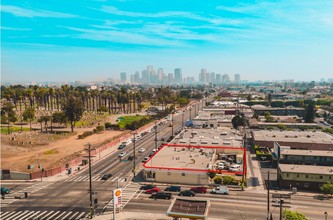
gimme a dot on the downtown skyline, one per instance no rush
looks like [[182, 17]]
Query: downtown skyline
[[96, 40]]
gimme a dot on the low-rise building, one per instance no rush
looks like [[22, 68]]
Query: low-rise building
[[307, 140], [289, 110], [304, 177]]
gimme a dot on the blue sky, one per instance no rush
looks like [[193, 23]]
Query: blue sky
[[61, 40]]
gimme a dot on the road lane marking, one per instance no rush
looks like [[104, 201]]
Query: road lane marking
[[65, 216], [73, 216], [19, 217], [79, 216], [30, 217], [7, 214], [44, 217], [40, 214]]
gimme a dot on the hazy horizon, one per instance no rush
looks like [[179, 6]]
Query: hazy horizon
[[95, 40]]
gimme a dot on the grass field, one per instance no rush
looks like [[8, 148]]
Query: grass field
[[126, 120], [4, 130]]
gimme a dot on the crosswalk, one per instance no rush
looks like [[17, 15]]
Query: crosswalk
[[129, 191], [94, 178], [43, 215]]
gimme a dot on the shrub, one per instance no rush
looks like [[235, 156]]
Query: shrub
[[228, 180], [85, 134], [217, 180], [99, 128]]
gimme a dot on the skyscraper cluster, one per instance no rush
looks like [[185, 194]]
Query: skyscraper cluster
[[206, 77], [151, 76]]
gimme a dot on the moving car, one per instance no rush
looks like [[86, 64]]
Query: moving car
[[122, 154], [145, 187], [153, 190], [173, 188], [220, 190], [130, 158], [186, 193], [199, 189], [124, 144], [106, 176], [145, 159], [141, 150], [4, 190], [161, 195]]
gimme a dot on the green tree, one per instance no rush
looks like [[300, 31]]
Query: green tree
[[238, 120], [327, 189], [310, 113], [59, 117], [217, 180], [8, 114], [73, 109], [29, 115], [293, 215]]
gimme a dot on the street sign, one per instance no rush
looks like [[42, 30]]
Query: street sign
[[281, 196], [117, 198]]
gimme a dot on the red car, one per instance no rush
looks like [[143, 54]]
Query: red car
[[153, 190], [199, 189]]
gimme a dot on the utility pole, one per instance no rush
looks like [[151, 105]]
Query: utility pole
[[134, 164], [183, 120], [190, 118], [268, 211], [281, 203], [155, 127], [172, 124], [90, 182]]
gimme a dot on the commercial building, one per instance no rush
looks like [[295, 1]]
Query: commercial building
[[123, 77], [289, 110], [195, 152], [304, 176], [237, 78], [178, 75], [306, 140]]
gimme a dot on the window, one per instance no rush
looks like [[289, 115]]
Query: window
[[287, 174], [297, 175], [183, 174], [306, 185], [306, 176], [169, 173], [321, 177]]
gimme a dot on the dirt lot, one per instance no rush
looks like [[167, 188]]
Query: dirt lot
[[51, 150]]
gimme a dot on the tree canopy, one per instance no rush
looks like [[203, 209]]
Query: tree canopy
[[293, 215], [238, 120], [327, 189], [73, 109]]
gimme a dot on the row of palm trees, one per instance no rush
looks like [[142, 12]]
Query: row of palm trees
[[106, 99]]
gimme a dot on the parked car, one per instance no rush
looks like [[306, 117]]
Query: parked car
[[199, 189], [145, 187], [4, 190], [141, 150], [186, 193], [235, 167], [122, 154], [220, 190], [220, 166], [173, 188], [153, 190], [106, 176], [151, 153], [169, 139], [163, 139], [161, 195], [145, 159]]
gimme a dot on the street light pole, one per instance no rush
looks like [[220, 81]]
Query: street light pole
[[183, 120], [281, 203], [326, 214], [90, 182], [268, 205], [172, 124], [190, 117], [134, 160]]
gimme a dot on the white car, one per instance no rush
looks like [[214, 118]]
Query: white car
[[220, 190], [141, 150], [122, 154]]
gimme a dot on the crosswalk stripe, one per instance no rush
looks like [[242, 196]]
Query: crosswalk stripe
[[54, 214], [3, 214], [20, 216], [95, 178], [60, 214], [114, 179], [80, 216], [65, 216], [7, 214], [73, 216], [30, 217], [17, 213], [40, 214], [44, 217]]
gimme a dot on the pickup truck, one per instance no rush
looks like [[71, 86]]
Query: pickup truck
[[161, 195]]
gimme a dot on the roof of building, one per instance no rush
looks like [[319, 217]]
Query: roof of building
[[189, 208], [170, 157], [220, 136], [293, 136], [262, 107], [319, 153], [308, 169]]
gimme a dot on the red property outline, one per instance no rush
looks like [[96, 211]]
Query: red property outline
[[200, 170]]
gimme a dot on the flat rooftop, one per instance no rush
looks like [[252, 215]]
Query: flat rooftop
[[318, 153], [221, 136], [307, 169], [189, 208], [181, 158], [318, 137]]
